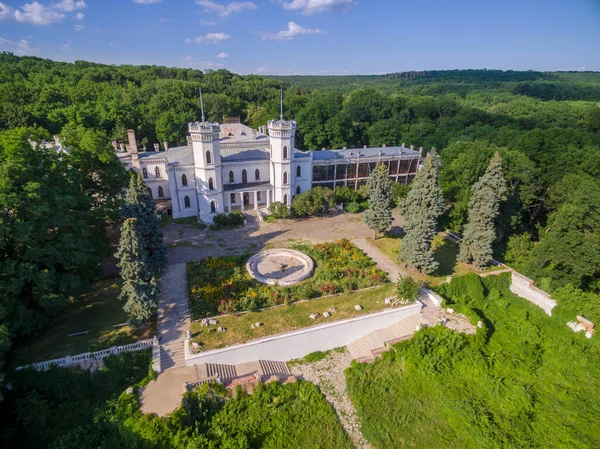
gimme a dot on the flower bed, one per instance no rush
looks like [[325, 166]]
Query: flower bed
[[222, 285]]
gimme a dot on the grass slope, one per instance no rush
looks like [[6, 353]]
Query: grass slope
[[525, 380]]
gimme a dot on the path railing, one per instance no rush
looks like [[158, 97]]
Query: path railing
[[72, 360]]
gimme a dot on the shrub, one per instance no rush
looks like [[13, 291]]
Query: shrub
[[407, 289], [352, 207], [231, 220], [279, 210]]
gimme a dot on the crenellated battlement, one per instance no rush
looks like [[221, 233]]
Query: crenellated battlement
[[203, 127]]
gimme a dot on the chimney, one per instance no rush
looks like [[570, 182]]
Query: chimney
[[122, 146], [412, 147], [156, 147], [345, 148], [166, 145], [189, 142], [323, 148], [132, 145], [254, 134], [365, 146], [420, 150], [401, 150], [403, 145], [384, 145], [144, 148], [115, 145]]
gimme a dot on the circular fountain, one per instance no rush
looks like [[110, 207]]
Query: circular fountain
[[280, 266]]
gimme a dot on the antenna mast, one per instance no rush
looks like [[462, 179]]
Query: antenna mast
[[281, 114], [201, 104]]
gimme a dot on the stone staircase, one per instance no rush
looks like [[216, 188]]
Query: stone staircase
[[223, 372], [172, 355], [366, 348], [273, 368]]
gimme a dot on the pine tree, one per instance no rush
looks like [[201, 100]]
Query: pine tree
[[138, 204], [421, 209], [139, 290], [379, 216], [479, 233]]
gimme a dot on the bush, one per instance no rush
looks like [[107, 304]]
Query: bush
[[279, 210], [407, 289], [352, 207], [316, 201], [227, 221]]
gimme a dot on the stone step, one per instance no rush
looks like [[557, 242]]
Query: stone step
[[271, 367], [220, 370]]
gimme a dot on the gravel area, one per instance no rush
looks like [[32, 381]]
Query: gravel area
[[328, 375]]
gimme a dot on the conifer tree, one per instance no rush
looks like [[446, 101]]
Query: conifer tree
[[139, 290], [479, 233], [379, 216], [421, 209], [138, 204]]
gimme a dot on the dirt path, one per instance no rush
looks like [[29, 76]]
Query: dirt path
[[383, 262], [328, 375]]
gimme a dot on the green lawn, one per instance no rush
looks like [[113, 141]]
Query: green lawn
[[96, 312], [287, 318], [446, 255], [190, 221]]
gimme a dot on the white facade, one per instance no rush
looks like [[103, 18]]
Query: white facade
[[230, 166]]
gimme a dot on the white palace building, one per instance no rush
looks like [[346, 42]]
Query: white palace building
[[230, 166]]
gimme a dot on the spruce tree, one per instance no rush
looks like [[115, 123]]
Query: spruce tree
[[138, 204], [479, 233], [139, 290], [379, 216], [421, 209]]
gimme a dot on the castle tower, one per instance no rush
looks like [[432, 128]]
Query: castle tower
[[208, 170], [282, 134]]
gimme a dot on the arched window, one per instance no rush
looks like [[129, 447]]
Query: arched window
[[285, 152], [285, 177], [213, 207], [285, 199], [231, 177], [298, 190], [144, 173], [161, 192], [150, 193], [208, 158], [257, 175], [186, 201], [244, 176], [298, 171], [183, 180], [157, 171], [211, 184], [232, 197], [258, 196]]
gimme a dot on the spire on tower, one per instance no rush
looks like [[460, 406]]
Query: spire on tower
[[281, 114], [201, 104]]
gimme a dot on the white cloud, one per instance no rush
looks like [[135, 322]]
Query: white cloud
[[21, 47], [223, 55], [263, 70], [293, 31], [207, 23], [192, 61], [68, 5], [37, 14], [310, 7], [78, 27], [80, 16], [146, 2], [225, 10], [6, 12], [215, 38]]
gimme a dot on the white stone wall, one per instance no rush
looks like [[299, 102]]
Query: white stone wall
[[250, 168], [524, 287], [297, 344]]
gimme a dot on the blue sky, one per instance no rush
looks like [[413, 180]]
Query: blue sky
[[310, 36]]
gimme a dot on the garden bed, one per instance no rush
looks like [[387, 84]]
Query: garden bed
[[280, 319], [222, 285]]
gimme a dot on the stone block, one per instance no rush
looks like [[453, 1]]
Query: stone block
[[358, 307], [313, 315], [212, 321], [326, 314], [221, 329], [450, 311], [387, 300]]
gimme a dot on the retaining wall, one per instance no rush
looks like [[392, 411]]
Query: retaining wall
[[297, 344], [523, 286]]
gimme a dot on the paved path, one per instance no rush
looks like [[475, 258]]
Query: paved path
[[383, 262], [163, 395]]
